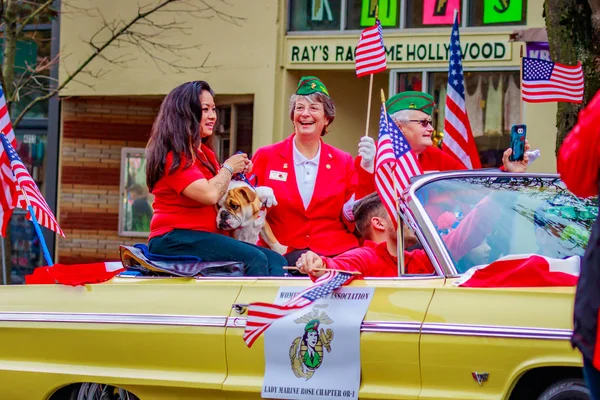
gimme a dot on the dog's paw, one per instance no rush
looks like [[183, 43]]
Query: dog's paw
[[266, 196]]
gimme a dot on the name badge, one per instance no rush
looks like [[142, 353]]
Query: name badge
[[278, 176]]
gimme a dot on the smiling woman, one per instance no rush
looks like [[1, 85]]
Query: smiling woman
[[315, 184], [187, 182]]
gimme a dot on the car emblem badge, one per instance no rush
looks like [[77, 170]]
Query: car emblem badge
[[480, 377]]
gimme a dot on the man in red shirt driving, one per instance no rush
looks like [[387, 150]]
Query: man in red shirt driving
[[378, 256]]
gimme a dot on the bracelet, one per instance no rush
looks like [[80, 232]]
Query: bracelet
[[228, 168]]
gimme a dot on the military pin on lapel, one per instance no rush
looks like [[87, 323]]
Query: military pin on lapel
[[285, 165]]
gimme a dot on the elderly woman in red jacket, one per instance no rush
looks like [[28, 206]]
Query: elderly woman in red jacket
[[579, 168], [315, 184]]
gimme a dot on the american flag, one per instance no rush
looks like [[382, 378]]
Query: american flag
[[458, 138], [545, 81], [7, 192], [23, 180], [395, 164], [262, 315], [370, 52]]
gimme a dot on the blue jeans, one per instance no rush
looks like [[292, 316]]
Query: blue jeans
[[592, 378], [258, 261]]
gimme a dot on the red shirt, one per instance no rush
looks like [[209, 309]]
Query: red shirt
[[434, 159], [579, 156], [173, 210], [374, 260]]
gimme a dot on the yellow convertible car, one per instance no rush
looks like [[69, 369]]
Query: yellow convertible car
[[152, 337]]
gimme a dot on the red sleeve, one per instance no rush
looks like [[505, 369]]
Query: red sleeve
[[357, 260], [182, 177], [579, 157], [366, 180], [417, 262], [473, 229]]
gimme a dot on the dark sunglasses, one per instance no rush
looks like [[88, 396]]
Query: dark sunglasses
[[424, 122]]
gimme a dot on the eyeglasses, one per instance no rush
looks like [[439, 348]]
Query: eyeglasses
[[424, 122], [313, 109]]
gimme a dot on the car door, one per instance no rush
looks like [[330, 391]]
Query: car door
[[160, 338], [389, 337], [476, 342]]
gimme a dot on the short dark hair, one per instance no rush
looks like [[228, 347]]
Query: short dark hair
[[366, 208]]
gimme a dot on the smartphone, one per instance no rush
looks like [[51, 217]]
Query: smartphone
[[517, 142]]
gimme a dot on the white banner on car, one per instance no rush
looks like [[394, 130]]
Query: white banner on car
[[314, 353]]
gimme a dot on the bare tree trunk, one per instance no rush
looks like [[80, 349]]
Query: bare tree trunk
[[10, 48], [573, 37]]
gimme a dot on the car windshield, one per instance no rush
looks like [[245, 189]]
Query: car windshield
[[481, 219]]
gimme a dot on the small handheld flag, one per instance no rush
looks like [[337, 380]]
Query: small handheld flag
[[262, 315], [370, 52], [395, 164]]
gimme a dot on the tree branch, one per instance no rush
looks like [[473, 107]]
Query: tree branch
[[27, 20]]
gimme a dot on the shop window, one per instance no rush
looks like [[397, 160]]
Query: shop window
[[430, 13], [492, 101], [361, 13], [315, 15], [135, 205], [409, 81], [234, 130], [497, 12]]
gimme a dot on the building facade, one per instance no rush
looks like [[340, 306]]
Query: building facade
[[253, 55]]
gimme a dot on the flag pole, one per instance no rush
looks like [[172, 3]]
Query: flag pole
[[369, 104], [370, 86], [38, 230], [521, 80], [400, 231]]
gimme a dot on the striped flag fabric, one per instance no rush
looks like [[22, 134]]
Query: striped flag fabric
[[458, 137], [7, 192], [545, 81], [370, 52], [23, 180], [262, 315], [395, 164]]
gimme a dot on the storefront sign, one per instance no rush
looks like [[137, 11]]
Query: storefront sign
[[439, 12], [539, 50], [403, 49], [500, 11], [388, 12]]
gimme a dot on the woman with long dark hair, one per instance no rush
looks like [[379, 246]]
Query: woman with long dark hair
[[186, 180]]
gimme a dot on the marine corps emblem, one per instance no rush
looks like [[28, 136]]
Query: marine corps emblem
[[306, 352], [313, 85]]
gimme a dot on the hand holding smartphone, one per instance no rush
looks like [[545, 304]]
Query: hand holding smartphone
[[517, 142]]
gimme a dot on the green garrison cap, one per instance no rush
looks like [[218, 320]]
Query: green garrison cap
[[410, 101], [311, 84], [312, 326]]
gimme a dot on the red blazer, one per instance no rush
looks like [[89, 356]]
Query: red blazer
[[321, 227]]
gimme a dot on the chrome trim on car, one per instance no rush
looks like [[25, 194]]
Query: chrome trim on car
[[240, 322], [101, 318], [517, 332], [448, 329], [391, 327]]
